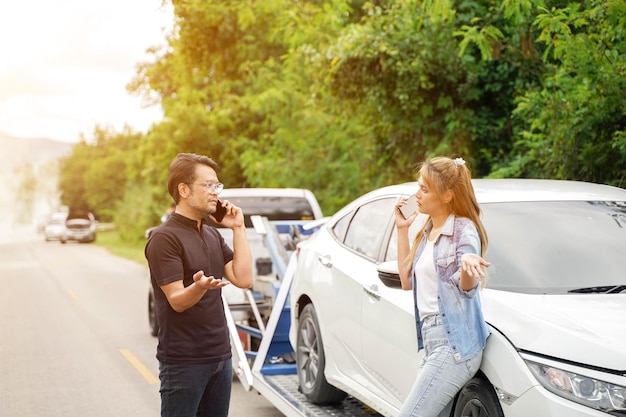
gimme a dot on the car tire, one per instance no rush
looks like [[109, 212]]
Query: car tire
[[310, 360], [152, 316], [477, 398]]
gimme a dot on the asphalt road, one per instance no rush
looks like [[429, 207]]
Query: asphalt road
[[74, 337]]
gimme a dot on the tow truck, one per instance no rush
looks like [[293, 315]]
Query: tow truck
[[272, 370]]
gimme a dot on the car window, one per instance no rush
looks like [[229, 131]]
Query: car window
[[369, 226], [392, 249], [555, 247], [274, 208], [341, 227]]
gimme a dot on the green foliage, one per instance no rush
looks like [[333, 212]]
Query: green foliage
[[341, 97], [94, 176], [135, 213], [401, 70], [437, 81], [301, 135], [572, 128], [71, 182], [112, 241]]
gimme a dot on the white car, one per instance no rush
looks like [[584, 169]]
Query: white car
[[80, 226], [555, 301], [55, 226]]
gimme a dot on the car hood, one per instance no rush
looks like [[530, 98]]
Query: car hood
[[583, 328], [77, 223]]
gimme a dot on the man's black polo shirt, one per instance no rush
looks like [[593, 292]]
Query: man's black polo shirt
[[177, 250]]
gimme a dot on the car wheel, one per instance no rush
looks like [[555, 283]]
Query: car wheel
[[311, 361], [477, 398], [152, 317]]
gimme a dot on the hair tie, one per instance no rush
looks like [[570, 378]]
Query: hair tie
[[459, 162]]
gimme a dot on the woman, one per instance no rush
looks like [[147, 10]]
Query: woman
[[444, 268]]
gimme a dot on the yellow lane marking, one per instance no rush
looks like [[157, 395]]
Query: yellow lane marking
[[140, 367], [72, 294]]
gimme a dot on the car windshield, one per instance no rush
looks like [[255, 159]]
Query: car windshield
[[274, 208], [556, 247]]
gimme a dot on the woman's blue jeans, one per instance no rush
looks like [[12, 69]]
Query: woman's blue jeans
[[439, 376], [195, 390]]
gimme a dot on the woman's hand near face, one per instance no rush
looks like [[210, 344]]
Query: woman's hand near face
[[403, 245], [401, 222]]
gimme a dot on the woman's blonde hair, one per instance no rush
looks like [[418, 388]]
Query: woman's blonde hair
[[442, 174]]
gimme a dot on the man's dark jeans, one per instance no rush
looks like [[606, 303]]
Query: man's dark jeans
[[195, 390]]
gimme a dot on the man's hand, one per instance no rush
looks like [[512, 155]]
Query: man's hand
[[208, 283], [234, 216]]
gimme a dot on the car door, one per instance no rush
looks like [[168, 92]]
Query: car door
[[363, 241], [340, 295], [388, 330]]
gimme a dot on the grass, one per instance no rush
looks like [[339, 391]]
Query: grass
[[110, 240]]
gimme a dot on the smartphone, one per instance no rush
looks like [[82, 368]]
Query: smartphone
[[409, 208], [220, 211]]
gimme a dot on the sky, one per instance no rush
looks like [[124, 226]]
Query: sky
[[64, 65]]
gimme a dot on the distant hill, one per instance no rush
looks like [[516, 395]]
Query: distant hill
[[19, 151], [26, 205]]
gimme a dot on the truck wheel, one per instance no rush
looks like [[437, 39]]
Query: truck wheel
[[310, 361], [152, 317], [477, 398]]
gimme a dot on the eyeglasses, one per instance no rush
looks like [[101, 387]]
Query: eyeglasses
[[216, 187]]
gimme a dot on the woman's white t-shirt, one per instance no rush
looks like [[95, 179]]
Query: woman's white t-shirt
[[425, 277]]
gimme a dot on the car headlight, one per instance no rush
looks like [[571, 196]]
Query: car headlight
[[582, 389]]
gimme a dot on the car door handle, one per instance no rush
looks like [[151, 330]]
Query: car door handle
[[372, 291], [325, 260]]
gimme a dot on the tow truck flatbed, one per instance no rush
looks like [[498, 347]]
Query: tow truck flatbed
[[273, 373], [286, 387]]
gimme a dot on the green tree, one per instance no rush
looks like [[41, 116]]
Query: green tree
[[432, 80], [237, 84], [305, 136], [574, 125], [71, 176], [344, 96], [94, 176]]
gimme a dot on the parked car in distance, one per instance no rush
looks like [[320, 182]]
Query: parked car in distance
[[80, 226], [555, 301], [54, 226], [276, 204]]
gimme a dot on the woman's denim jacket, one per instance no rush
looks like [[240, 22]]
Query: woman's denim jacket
[[460, 310]]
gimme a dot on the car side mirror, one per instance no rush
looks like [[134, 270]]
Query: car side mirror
[[388, 274]]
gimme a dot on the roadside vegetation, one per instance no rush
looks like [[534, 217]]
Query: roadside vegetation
[[130, 249], [342, 97]]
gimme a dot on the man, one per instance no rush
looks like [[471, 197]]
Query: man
[[187, 260]]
